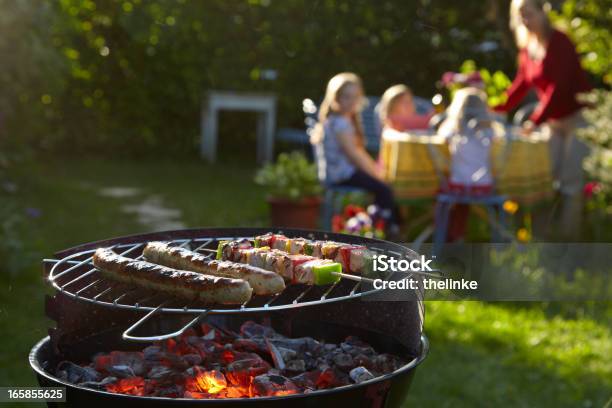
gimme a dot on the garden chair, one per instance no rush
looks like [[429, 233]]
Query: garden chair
[[493, 203]]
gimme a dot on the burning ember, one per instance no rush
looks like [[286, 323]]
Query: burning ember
[[257, 362], [130, 385], [210, 381]]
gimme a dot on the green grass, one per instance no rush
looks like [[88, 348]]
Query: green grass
[[494, 355], [481, 354]]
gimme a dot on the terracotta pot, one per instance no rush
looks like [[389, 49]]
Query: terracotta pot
[[303, 213]]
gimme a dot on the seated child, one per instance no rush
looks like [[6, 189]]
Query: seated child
[[397, 111], [339, 143], [469, 134]]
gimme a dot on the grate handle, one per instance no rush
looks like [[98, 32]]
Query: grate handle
[[129, 337]]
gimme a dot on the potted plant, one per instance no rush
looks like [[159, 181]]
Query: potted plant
[[293, 191]]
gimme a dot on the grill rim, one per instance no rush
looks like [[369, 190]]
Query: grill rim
[[217, 234]]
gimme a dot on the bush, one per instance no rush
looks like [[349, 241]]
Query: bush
[[292, 177], [495, 83], [127, 77], [588, 23], [599, 136], [598, 165]]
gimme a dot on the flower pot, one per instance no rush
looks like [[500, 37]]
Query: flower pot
[[302, 213]]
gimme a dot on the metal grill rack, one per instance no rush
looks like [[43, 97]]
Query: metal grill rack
[[76, 277]]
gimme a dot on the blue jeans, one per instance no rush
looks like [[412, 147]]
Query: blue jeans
[[383, 195]]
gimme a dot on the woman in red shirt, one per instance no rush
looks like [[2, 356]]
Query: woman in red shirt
[[549, 64]]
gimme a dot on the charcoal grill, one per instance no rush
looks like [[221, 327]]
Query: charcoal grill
[[82, 292]]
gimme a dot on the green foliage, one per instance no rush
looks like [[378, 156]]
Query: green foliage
[[292, 176], [599, 117], [598, 165], [588, 23], [495, 83], [127, 77], [31, 72]]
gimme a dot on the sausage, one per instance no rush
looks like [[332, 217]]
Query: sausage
[[185, 284], [262, 281]]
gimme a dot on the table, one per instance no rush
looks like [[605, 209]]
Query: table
[[263, 104], [522, 167], [416, 163]]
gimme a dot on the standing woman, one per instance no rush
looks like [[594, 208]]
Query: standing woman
[[548, 63]]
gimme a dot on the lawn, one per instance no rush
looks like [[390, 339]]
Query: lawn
[[481, 354]]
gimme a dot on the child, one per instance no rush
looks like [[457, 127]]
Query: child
[[339, 143], [397, 111], [469, 134]]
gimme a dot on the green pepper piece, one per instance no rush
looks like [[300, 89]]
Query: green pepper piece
[[324, 274], [222, 245]]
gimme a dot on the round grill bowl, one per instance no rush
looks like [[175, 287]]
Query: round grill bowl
[[386, 391]]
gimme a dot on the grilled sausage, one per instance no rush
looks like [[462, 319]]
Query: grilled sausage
[[262, 281], [190, 285]]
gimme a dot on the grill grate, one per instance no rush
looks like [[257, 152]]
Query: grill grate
[[76, 277]]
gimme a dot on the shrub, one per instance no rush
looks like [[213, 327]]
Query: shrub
[[292, 177], [127, 77]]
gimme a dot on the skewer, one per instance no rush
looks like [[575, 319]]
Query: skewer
[[358, 278], [355, 278]]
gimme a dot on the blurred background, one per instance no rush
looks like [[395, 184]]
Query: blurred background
[[100, 106]]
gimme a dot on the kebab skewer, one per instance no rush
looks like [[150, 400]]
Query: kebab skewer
[[293, 268], [355, 259]]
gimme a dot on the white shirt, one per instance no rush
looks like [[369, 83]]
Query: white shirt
[[471, 156]]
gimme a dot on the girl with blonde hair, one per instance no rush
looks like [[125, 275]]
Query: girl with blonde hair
[[469, 132], [549, 64], [339, 143]]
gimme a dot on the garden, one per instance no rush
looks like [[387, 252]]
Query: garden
[[100, 132]]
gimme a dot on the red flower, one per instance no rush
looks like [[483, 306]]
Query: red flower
[[380, 225], [337, 223], [590, 189], [352, 210]]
